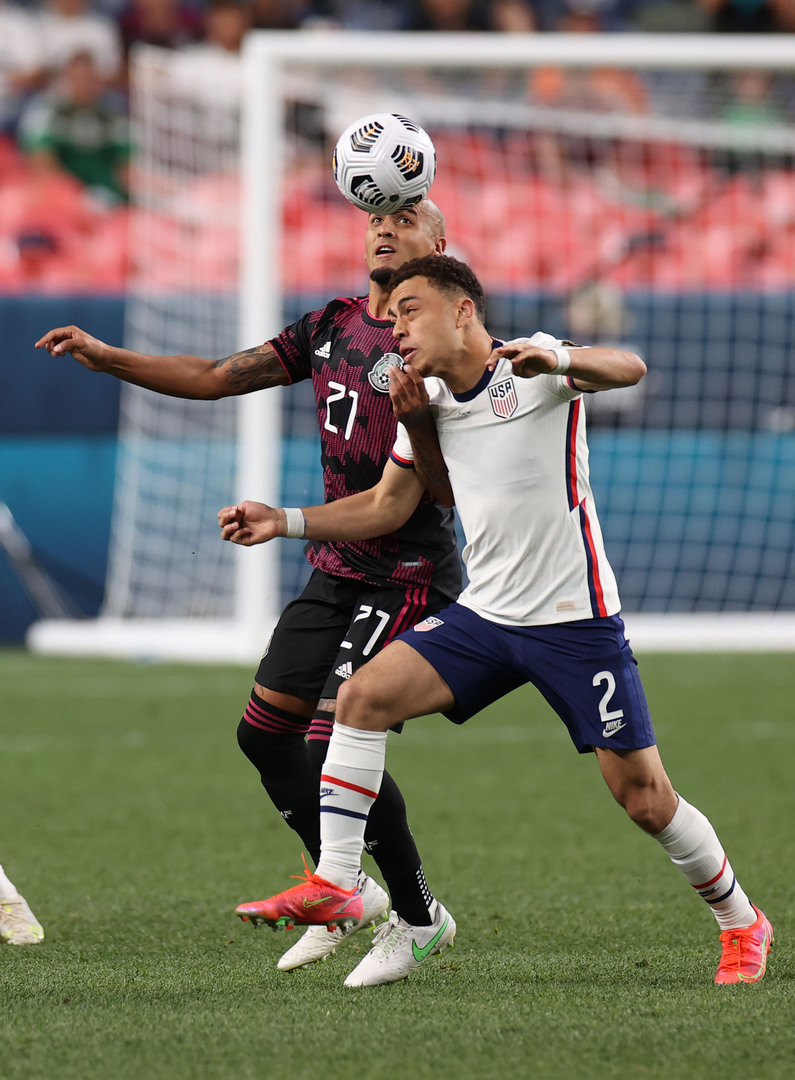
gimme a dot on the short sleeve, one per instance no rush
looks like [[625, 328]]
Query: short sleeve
[[292, 346], [402, 453]]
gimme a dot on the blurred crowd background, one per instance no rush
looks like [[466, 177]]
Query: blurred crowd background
[[64, 133]]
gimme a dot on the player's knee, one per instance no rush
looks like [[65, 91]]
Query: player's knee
[[351, 701], [647, 804], [357, 704]]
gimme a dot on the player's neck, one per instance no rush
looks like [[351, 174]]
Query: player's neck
[[465, 369], [378, 302]]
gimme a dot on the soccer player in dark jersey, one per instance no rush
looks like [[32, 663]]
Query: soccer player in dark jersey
[[360, 595]]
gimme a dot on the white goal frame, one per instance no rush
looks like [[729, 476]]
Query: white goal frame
[[266, 58]]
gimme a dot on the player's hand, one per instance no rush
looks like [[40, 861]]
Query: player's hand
[[87, 350], [249, 523], [408, 394], [527, 360]]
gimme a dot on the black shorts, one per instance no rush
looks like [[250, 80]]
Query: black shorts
[[334, 627]]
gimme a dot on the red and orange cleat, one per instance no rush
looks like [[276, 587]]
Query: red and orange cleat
[[314, 901], [744, 957]]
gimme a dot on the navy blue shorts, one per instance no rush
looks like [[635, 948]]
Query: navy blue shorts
[[585, 670]]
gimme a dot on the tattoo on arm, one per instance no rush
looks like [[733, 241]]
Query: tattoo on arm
[[253, 369]]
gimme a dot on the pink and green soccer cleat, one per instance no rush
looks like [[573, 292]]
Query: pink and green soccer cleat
[[315, 901], [744, 957]]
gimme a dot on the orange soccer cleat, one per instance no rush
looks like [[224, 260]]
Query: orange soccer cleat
[[744, 957], [314, 901]]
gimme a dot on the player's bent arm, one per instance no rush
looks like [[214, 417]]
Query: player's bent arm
[[375, 512], [184, 376], [601, 368], [591, 368]]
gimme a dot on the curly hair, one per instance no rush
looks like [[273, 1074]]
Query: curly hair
[[447, 274]]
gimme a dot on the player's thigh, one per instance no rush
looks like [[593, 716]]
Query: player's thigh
[[588, 674], [396, 685], [378, 615], [306, 640]]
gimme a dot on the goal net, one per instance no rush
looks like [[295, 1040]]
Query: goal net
[[633, 190]]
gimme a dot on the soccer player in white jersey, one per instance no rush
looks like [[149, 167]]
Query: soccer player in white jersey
[[541, 606], [18, 924]]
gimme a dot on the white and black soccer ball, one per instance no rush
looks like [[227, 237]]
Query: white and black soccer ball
[[384, 162]]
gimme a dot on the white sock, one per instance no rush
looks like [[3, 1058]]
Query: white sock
[[349, 785], [7, 888], [693, 846]]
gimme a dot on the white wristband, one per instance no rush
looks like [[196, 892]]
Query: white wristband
[[296, 523], [564, 361]]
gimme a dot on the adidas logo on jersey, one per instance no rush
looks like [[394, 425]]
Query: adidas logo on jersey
[[324, 351], [345, 670]]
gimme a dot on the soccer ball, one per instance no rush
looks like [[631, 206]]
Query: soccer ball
[[384, 162]]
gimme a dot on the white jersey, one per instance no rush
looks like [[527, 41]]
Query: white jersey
[[517, 456]]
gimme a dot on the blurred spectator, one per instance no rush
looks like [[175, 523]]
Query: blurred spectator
[[19, 60], [750, 16], [374, 15], [512, 17], [66, 27], [79, 127], [602, 89], [167, 23], [752, 102], [280, 14], [212, 67], [751, 107], [449, 15], [670, 17], [605, 15]]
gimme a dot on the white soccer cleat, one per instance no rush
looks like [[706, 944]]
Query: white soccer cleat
[[18, 924], [399, 948], [318, 942]]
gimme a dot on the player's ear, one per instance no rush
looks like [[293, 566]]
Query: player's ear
[[440, 246], [466, 311]]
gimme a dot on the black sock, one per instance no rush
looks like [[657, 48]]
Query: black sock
[[286, 772]]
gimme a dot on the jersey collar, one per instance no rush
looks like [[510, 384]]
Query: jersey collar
[[483, 381], [369, 319]]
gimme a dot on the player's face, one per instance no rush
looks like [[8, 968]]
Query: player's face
[[393, 239], [425, 325]]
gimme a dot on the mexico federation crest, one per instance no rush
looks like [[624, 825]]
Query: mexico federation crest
[[503, 398], [379, 376]]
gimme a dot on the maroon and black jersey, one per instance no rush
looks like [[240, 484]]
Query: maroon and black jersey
[[342, 349]]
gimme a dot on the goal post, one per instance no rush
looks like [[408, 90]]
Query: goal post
[[612, 188]]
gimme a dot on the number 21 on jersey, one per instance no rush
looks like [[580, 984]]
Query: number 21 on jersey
[[338, 394]]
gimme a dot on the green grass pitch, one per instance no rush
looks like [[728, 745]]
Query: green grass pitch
[[134, 826]]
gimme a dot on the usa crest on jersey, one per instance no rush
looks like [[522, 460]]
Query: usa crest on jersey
[[503, 398], [379, 376]]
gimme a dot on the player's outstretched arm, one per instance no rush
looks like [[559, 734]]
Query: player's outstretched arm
[[410, 404], [183, 376], [597, 368], [374, 512]]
